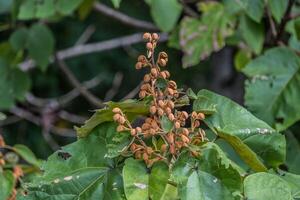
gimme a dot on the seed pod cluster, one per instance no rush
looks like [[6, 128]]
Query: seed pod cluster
[[162, 108]]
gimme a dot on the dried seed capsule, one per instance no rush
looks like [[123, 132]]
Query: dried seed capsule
[[145, 86], [185, 114], [163, 55], [133, 132], [138, 155], [168, 110], [170, 138], [149, 46], [147, 36], [149, 150], [177, 125], [138, 65], [163, 148], [171, 104], [116, 110], [172, 149], [142, 59], [152, 131], [172, 84], [196, 123], [145, 126], [2, 162], [145, 156], [162, 62], [171, 117], [160, 112], [185, 139], [167, 73], [154, 124], [147, 78], [195, 153], [120, 128], [142, 94], [155, 36], [161, 103], [138, 129], [185, 131], [154, 72], [170, 91], [153, 110], [133, 147], [194, 115], [178, 144], [116, 117], [122, 120], [148, 120], [201, 116], [2, 142]]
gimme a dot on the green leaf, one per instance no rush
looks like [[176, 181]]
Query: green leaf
[[40, 44], [27, 10], [13, 85], [158, 180], [249, 136], [278, 8], [200, 37], [7, 182], [45, 9], [66, 7], [204, 105], [165, 13], [26, 154], [85, 8], [80, 170], [204, 186], [18, 39], [253, 8], [294, 182], [241, 59], [253, 33], [116, 3], [262, 186], [273, 92], [292, 154], [166, 124], [131, 108], [136, 180], [191, 94]]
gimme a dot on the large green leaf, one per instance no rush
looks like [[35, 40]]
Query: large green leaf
[[204, 186], [131, 108], [292, 154], [262, 186], [40, 44], [67, 6], [294, 182], [253, 8], [158, 181], [249, 136], [7, 182], [253, 33], [2, 116], [26, 154], [13, 85], [165, 13], [200, 37], [80, 170], [277, 8], [136, 179], [273, 92]]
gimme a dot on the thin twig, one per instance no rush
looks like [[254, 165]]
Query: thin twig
[[74, 81], [189, 11], [49, 139], [272, 23], [105, 10], [92, 48], [86, 35], [133, 92], [76, 119], [10, 120], [115, 87], [285, 19]]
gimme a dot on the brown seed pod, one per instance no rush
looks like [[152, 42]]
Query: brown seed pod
[[163, 148], [185, 131], [138, 65], [170, 138], [133, 132], [18, 172], [147, 36], [172, 84], [116, 110], [185, 139], [155, 36], [152, 131], [197, 123], [154, 72], [116, 117], [138, 129], [2, 162], [133, 147], [149, 150], [177, 125], [185, 114], [163, 75], [142, 59], [194, 115], [142, 94], [146, 126], [153, 110], [160, 112], [2, 142], [171, 117], [122, 120], [195, 153], [171, 104], [201, 116], [167, 73], [120, 128], [149, 46], [138, 155], [170, 91], [145, 156], [147, 78], [163, 55], [162, 62], [161, 103], [168, 110], [172, 149]]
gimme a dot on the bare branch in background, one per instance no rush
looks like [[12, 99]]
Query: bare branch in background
[[76, 119], [10, 120], [93, 48], [125, 19], [189, 11], [133, 92], [86, 35], [115, 87], [74, 81]]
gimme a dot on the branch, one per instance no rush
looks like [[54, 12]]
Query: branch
[[76, 119], [133, 92], [285, 19], [125, 19], [115, 87], [74, 81], [189, 11], [93, 48]]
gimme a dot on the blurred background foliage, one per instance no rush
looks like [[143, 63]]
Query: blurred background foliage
[[59, 58]]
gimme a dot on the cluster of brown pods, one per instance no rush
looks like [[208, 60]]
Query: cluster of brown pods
[[163, 109]]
